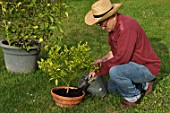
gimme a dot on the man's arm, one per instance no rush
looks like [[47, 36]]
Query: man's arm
[[106, 57]]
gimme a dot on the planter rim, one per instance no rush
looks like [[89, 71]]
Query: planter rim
[[14, 47], [64, 87]]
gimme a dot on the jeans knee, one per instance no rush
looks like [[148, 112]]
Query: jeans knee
[[114, 73]]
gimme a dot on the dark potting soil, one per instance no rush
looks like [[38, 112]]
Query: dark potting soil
[[71, 93]]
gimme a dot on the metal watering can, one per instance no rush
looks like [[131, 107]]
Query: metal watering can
[[95, 86]]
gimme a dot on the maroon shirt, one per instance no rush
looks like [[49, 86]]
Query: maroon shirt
[[129, 43]]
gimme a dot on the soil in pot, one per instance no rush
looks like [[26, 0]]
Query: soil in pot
[[71, 93]]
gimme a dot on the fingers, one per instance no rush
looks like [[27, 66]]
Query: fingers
[[97, 61], [91, 75]]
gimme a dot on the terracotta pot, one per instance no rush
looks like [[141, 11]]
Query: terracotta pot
[[66, 102]]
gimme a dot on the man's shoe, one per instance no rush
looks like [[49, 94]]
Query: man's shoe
[[127, 104], [149, 89]]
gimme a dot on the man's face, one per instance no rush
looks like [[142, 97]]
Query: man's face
[[103, 24], [109, 23]]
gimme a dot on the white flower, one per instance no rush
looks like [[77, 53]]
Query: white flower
[[9, 23]]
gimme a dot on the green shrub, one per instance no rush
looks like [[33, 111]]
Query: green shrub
[[27, 23], [65, 63]]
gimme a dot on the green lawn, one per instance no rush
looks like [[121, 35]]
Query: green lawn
[[30, 93]]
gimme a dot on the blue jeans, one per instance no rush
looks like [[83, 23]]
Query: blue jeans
[[124, 79]]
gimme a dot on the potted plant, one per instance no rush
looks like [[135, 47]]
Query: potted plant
[[24, 26], [66, 64]]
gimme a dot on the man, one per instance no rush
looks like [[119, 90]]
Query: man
[[131, 61]]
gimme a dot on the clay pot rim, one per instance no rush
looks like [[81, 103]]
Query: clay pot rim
[[64, 87]]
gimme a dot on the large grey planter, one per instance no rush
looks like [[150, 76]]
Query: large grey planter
[[19, 60]]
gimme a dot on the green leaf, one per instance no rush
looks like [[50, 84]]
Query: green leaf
[[51, 79], [33, 1], [28, 48], [3, 9], [51, 19], [66, 13], [56, 82], [52, 27], [61, 30], [19, 3]]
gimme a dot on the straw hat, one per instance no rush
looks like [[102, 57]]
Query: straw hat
[[100, 11]]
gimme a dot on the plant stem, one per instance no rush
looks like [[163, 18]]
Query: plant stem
[[67, 88]]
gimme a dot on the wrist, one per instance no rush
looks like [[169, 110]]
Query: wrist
[[102, 59]]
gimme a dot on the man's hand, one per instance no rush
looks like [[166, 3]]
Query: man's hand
[[91, 75], [97, 61], [106, 57]]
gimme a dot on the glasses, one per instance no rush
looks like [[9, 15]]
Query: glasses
[[103, 23]]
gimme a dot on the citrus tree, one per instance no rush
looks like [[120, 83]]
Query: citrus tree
[[65, 63]]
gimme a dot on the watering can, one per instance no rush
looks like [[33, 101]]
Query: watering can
[[95, 86]]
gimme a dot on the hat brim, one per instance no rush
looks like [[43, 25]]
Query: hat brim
[[90, 20]]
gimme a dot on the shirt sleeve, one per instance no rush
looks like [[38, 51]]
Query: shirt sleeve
[[126, 42]]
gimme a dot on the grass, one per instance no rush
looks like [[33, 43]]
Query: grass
[[30, 93]]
